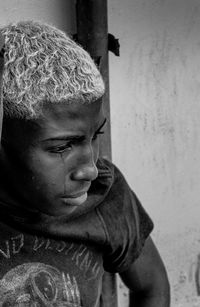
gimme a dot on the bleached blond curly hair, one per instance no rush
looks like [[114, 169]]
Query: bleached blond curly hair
[[42, 64]]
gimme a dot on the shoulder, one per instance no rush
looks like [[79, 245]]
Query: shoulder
[[126, 222], [106, 167], [120, 195]]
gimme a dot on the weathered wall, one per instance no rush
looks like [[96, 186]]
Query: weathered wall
[[56, 12], [155, 109], [155, 90]]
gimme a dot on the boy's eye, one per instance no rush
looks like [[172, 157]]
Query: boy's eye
[[58, 149], [97, 134], [61, 148]]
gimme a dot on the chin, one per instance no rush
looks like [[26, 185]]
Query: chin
[[60, 210]]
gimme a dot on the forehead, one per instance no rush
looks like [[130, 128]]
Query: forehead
[[56, 120], [71, 116], [74, 110]]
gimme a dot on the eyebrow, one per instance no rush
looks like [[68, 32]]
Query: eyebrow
[[101, 126], [74, 137]]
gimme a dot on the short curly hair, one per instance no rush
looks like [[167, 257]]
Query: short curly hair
[[43, 64]]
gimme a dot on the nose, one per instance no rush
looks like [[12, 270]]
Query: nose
[[86, 169]]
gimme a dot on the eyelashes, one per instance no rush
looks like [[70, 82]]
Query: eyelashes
[[68, 145], [60, 149], [97, 134]]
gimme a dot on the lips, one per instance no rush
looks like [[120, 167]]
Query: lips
[[76, 199], [75, 195]]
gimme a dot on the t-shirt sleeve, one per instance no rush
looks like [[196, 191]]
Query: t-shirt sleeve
[[126, 223]]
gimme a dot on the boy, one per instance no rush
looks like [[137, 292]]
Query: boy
[[66, 214]]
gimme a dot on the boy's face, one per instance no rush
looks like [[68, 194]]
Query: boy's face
[[54, 157]]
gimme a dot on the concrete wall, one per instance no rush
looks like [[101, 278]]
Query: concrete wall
[[57, 12], [155, 111]]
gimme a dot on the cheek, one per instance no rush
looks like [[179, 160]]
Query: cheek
[[47, 171]]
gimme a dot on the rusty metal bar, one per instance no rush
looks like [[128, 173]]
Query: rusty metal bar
[[92, 34]]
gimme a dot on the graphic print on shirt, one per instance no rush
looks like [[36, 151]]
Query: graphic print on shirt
[[43, 272], [79, 255], [38, 285]]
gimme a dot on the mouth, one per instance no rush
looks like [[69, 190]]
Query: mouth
[[75, 200]]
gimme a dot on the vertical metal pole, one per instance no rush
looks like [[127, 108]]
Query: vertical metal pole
[[92, 35]]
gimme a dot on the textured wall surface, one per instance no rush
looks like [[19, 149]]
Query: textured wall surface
[[155, 108], [57, 12]]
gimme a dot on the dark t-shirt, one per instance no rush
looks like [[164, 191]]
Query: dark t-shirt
[[59, 261]]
